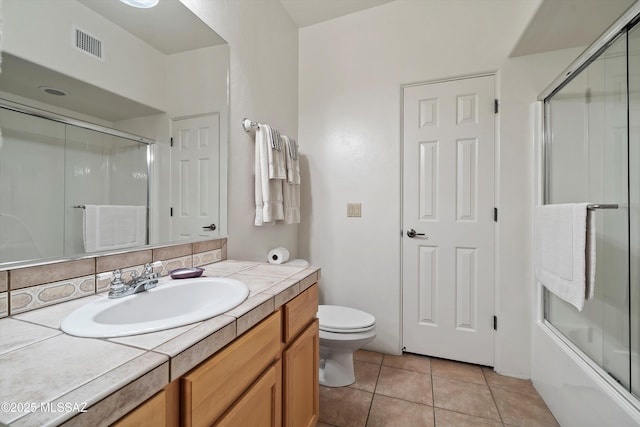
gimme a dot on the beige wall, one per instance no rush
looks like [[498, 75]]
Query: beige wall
[[349, 118], [520, 81], [32, 35], [263, 44]]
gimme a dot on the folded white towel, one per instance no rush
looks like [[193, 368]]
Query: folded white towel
[[275, 152], [108, 227], [565, 251], [292, 161], [268, 192]]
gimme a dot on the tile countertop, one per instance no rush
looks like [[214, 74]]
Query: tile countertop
[[49, 378]]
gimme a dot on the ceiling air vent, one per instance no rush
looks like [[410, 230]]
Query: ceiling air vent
[[88, 44]]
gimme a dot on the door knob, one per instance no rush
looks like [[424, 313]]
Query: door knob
[[412, 233], [209, 227]]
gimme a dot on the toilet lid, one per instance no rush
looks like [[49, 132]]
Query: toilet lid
[[335, 318]]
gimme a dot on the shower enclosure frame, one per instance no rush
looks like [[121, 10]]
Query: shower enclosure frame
[[48, 115], [564, 375]]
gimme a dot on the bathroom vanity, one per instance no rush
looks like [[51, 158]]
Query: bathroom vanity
[[266, 377], [256, 364]]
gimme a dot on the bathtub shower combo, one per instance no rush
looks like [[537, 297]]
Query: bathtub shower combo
[[586, 363], [51, 167]]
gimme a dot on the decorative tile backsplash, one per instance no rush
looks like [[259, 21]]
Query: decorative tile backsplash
[[33, 297], [28, 288], [4, 304], [172, 264], [4, 281], [4, 294], [205, 258], [55, 272]]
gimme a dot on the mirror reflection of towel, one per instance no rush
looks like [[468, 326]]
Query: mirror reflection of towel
[[109, 227]]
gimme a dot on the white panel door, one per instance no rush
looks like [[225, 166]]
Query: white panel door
[[448, 201], [194, 176]]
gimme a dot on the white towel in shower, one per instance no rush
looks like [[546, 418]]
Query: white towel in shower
[[108, 227], [565, 251], [268, 192]]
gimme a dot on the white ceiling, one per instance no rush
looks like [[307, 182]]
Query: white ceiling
[[557, 24], [309, 12], [170, 27], [561, 24], [23, 78]]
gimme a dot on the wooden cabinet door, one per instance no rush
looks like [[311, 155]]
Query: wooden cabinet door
[[161, 410], [151, 413], [299, 312], [260, 405], [300, 382], [210, 389]]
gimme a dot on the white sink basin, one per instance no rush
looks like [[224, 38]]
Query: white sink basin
[[171, 304]]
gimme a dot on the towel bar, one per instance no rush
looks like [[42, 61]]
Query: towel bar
[[79, 206], [248, 124], [602, 206]]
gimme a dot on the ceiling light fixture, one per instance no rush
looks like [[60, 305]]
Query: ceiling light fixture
[[143, 4]]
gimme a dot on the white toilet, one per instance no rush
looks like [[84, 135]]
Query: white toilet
[[343, 330]]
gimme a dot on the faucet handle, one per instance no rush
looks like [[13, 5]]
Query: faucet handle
[[117, 284], [134, 276], [117, 276], [148, 270]]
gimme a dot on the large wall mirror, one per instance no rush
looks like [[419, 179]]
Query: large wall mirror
[[114, 124]]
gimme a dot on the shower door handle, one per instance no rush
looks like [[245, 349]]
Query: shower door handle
[[211, 227], [412, 233]]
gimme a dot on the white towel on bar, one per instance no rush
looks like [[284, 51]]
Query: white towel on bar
[[291, 193], [565, 251], [291, 187], [275, 153], [292, 160], [268, 192], [109, 227]]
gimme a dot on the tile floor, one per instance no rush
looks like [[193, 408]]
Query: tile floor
[[414, 391]]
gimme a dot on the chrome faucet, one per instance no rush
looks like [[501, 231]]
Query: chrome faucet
[[119, 288]]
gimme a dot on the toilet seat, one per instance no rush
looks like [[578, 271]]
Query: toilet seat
[[344, 320]]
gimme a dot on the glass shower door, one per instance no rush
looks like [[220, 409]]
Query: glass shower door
[[634, 203], [31, 187], [47, 169], [101, 169], [587, 161]]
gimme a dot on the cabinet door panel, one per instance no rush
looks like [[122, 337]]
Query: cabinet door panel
[[301, 398], [260, 405], [299, 312], [211, 388], [150, 413]]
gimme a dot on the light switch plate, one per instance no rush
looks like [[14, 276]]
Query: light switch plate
[[354, 210]]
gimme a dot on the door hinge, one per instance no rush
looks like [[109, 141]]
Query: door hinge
[[495, 214], [495, 323], [496, 106], [171, 142], [170, 211]]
